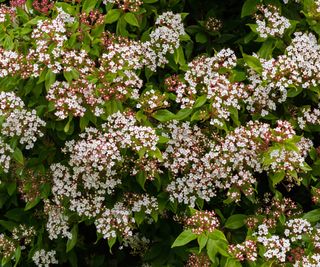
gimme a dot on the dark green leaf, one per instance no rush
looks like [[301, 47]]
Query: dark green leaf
[[163, 115], [18, 156], [112, 16], [312, 216], [184, 238], [73, 241], [88, 5], [202, 241], [253, 62], [131, 19], [249, 7], [235, 221]]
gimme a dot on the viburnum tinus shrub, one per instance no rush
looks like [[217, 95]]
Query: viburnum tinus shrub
[[159, 133]]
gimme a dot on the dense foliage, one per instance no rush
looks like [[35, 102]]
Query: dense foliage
[[160, 133]]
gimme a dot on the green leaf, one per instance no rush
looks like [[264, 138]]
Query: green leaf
[[234, 114], [212, 250], [163, 140], [8, 225], [253, 62], [15, 214], [282, 219], [150, 1], [112, 16], [121, 27], [201, 38], [313, 153], [184, 238], [202, 241], [156, 154], [139, 217], [277, 177], [131, 19], [238, 76], [88, 5], [266, 49], [111, 242], [84, 121], [49, 79], [11, 188], [267, 264], [249, 7], [18, 156], [8, 42], [217, 235], [235, 221], [71, 75], [73, 241], [141, 179], [200, 101], [4, 261], [179, 56], [231, 262], [31, 204], [163, 115], [183, 114], [312, 216], [215, 246], [67, 126], [17, 255], [294, 91]]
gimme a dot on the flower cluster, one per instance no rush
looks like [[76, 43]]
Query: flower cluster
[[138, 244], [18, 121], [115, 74], [23, 233], [94, 18], [152, 100], [195, 260], [5, 155], [164, 39], [270, 22], [295, 228], [7, 247], [115, 221], [126, 5], [282, 157], [16, 3], [272, 209], [6, 13], [57, 224], [68, 98], [44, 258], [30, 183], [24, 124], [244, 251], [43, 6], [200, 168], [202, 221], [280, 248], [203, 78], [96, 165], [276, 247], [298, 67], [182, 157], [213, 24], [141, 203], [309, 116]]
